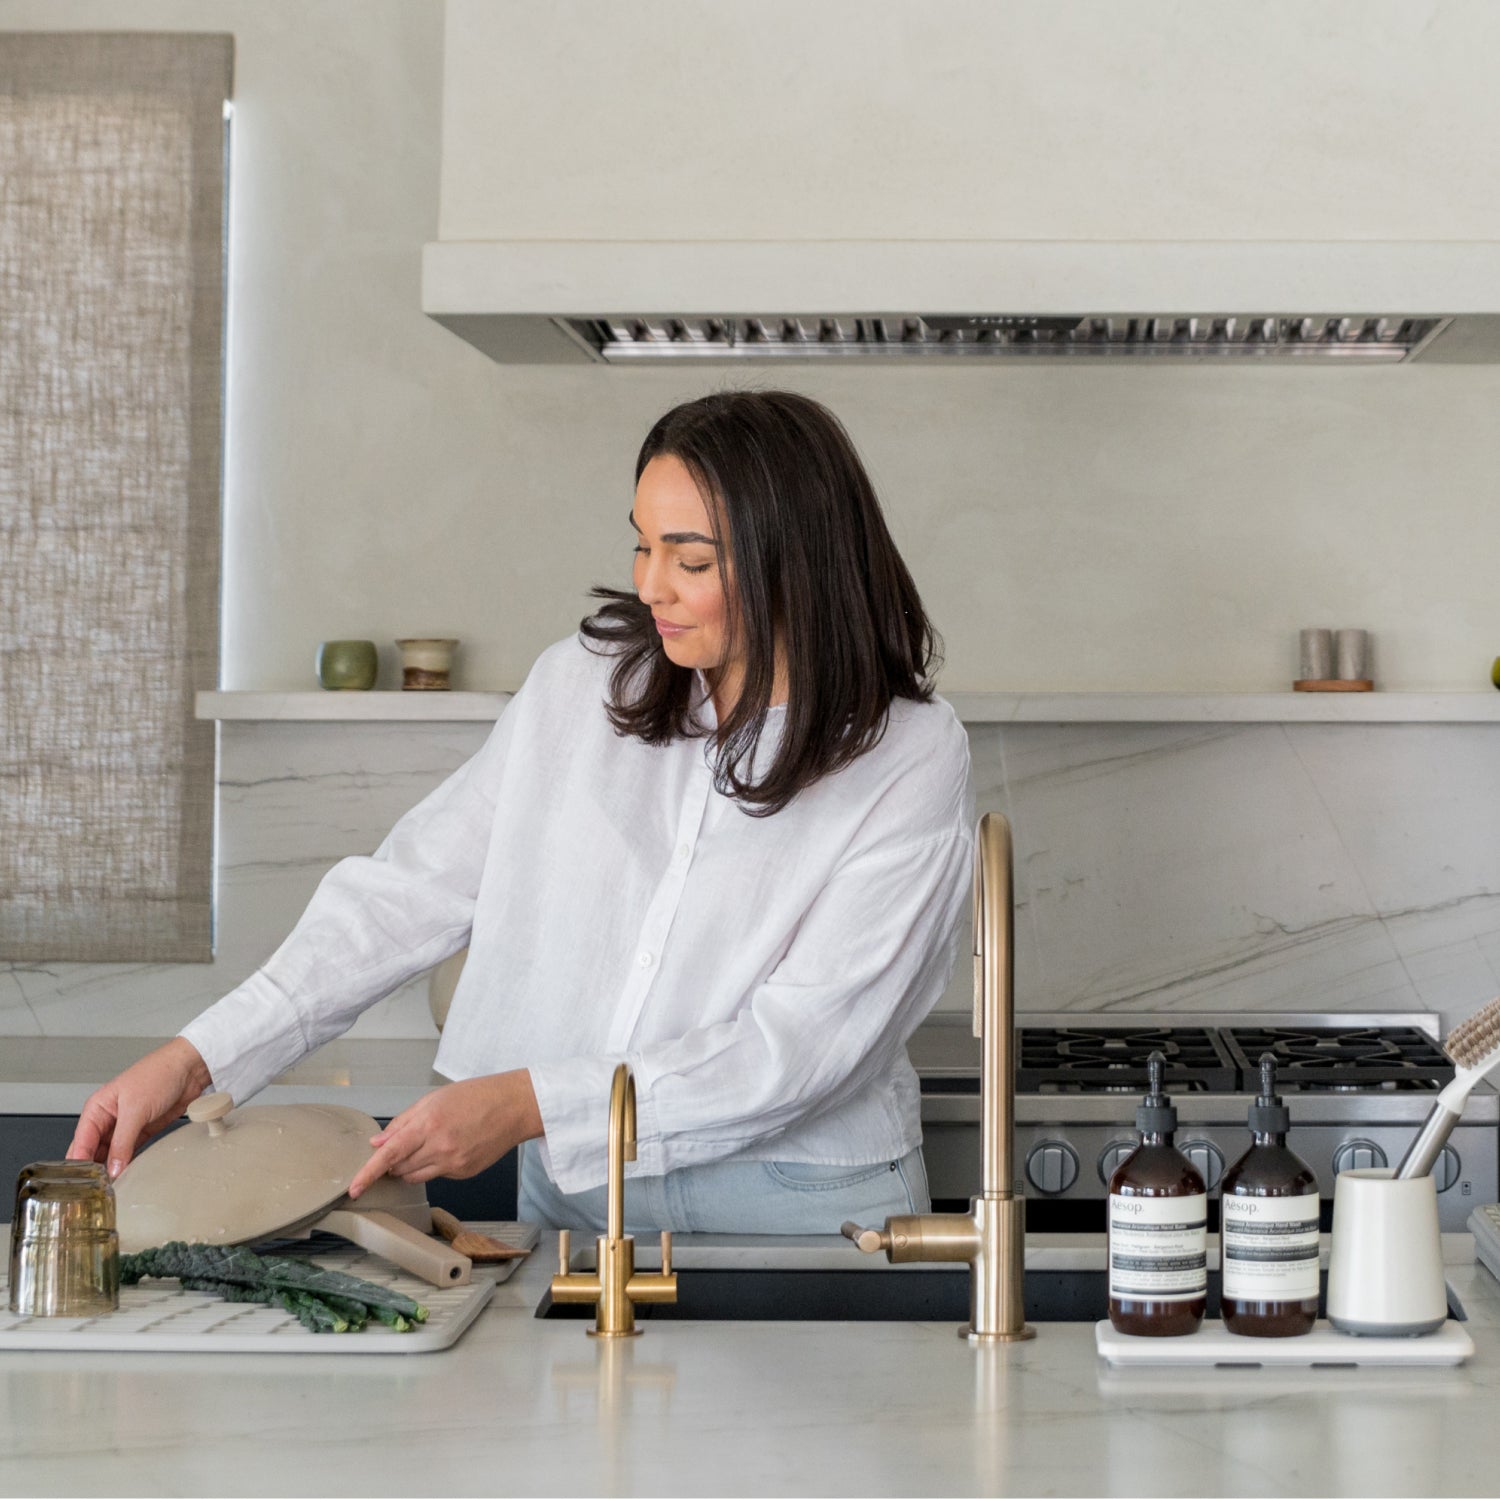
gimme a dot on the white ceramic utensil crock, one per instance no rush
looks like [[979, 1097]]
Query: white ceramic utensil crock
[[1385, 1267], [237, 1176]]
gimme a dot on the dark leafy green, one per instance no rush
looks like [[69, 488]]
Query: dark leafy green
[[323, 1301]]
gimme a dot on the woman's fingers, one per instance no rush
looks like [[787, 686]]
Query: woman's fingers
[[455, 1131], [374, 1169], [395, 1145], [129, 1128], [91, 1134], [127, 1111]]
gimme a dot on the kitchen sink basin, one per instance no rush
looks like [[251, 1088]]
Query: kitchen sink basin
[[940, 1295], [913, 1296], [907, 1295]]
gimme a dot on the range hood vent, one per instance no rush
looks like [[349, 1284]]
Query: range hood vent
[[621, 303], [636, 338]]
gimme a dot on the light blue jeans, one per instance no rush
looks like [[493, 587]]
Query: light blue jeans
[[737, 1197]]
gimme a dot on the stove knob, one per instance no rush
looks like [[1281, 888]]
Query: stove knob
[[1111, 1157], [1358, 1156], [1208, 1159], [1052, 1167], [1445, 1169]]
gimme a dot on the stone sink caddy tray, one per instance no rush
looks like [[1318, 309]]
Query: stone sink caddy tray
[[1213, 1344]]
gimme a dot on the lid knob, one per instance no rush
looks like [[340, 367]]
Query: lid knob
[[210, 1109]]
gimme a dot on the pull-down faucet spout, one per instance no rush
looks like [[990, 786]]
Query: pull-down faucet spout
[[992, 1236]]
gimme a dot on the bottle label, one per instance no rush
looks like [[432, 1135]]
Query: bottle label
[[1270, 1247], [1158, 1247]]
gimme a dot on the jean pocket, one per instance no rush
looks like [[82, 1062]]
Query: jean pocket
[[813, 1177]]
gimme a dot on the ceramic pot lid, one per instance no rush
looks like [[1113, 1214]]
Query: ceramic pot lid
[[237, 1175]]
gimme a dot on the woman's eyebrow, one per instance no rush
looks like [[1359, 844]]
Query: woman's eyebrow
[[677, 538]]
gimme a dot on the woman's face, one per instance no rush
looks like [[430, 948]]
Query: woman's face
[[681, 567]]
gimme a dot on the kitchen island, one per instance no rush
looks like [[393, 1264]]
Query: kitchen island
[[527, 1406]]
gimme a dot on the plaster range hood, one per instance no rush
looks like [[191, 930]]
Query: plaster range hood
[[635, 304]]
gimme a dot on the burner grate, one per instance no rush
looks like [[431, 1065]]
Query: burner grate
[[1355, 1057], [1094, 1059]]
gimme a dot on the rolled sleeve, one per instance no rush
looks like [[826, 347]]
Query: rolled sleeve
[[249, 1037]]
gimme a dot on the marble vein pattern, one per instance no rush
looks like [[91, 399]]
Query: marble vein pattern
[[1215, 867], [1249, 868], [293, 800], [16, 1015]]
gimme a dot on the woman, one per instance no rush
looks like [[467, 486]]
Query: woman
[[723, 834]]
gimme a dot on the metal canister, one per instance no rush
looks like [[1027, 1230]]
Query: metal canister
[[64, 1250]]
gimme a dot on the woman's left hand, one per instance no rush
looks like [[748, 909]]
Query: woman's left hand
[[455, 1131]]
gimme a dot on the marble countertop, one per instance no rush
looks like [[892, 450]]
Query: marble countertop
[[526, 1406], [54, 1075]]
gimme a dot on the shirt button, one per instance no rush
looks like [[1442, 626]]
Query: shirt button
[[644, 960], [683, 850]]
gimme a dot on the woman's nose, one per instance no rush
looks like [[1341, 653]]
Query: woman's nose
[[653, 584]]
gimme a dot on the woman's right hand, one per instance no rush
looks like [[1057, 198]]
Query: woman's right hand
[[140, 1103]]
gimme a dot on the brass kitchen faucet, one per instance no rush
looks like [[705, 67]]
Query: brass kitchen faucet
[[992, 1235], [615, 1286]]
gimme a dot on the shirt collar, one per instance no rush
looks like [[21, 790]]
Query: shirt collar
[[702, 701]]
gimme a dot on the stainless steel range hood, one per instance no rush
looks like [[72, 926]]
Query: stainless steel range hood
[[634, 303]]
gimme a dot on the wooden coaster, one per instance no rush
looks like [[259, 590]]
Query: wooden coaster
[[1333, 685]]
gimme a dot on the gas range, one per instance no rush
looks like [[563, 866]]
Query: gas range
[[1358, 1088]]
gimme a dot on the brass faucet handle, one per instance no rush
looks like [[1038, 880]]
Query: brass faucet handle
[[564, 1251], [666, 1252], [871, 1241]]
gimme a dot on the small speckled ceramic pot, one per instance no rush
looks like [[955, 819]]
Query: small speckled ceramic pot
[[347, 664], [425, 663]]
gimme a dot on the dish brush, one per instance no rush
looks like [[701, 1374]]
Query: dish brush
[[1474, 1048]]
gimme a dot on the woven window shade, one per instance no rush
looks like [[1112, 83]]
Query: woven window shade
[[111, 377]]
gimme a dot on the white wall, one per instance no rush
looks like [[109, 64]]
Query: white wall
[[1130, 527], [1083, 528]]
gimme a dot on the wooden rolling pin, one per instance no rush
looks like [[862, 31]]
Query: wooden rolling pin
[[478, 1247]]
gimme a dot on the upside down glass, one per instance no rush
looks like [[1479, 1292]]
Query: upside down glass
[[64, 1250]]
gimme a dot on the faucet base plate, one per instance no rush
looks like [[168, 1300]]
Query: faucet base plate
[[1025, 1331]]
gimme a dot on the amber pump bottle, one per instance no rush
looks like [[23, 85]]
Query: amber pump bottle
[[1158, 1227], [1269, 1227]]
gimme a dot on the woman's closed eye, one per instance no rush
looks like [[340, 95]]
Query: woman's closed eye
[[685, 566]]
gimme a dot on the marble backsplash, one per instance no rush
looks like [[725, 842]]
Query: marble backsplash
[[1158, 867]]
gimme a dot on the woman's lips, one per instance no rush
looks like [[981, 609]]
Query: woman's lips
[[668, 629]]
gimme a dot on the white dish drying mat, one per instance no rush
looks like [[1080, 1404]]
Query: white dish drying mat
[[1213, 1344], [159, 1315]]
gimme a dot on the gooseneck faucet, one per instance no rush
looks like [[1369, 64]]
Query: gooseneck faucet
[[615, 1286], [991, 1237]]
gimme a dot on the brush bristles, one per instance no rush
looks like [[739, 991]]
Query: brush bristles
[[1474, 1040]]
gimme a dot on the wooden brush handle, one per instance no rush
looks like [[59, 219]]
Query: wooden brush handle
[[478, 1247]]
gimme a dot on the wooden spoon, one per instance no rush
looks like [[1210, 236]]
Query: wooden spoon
[[478, 1247]]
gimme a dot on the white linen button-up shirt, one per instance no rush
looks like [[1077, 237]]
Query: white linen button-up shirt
[[761, 975]]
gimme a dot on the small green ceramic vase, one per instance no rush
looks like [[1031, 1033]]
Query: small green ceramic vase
[[1495, 672], [347, 664]]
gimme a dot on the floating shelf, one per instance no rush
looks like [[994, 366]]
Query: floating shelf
[[972, 708], [352, 707], [1226, 708]]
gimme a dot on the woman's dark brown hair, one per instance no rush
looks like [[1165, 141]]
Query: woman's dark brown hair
[[813, 563]]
